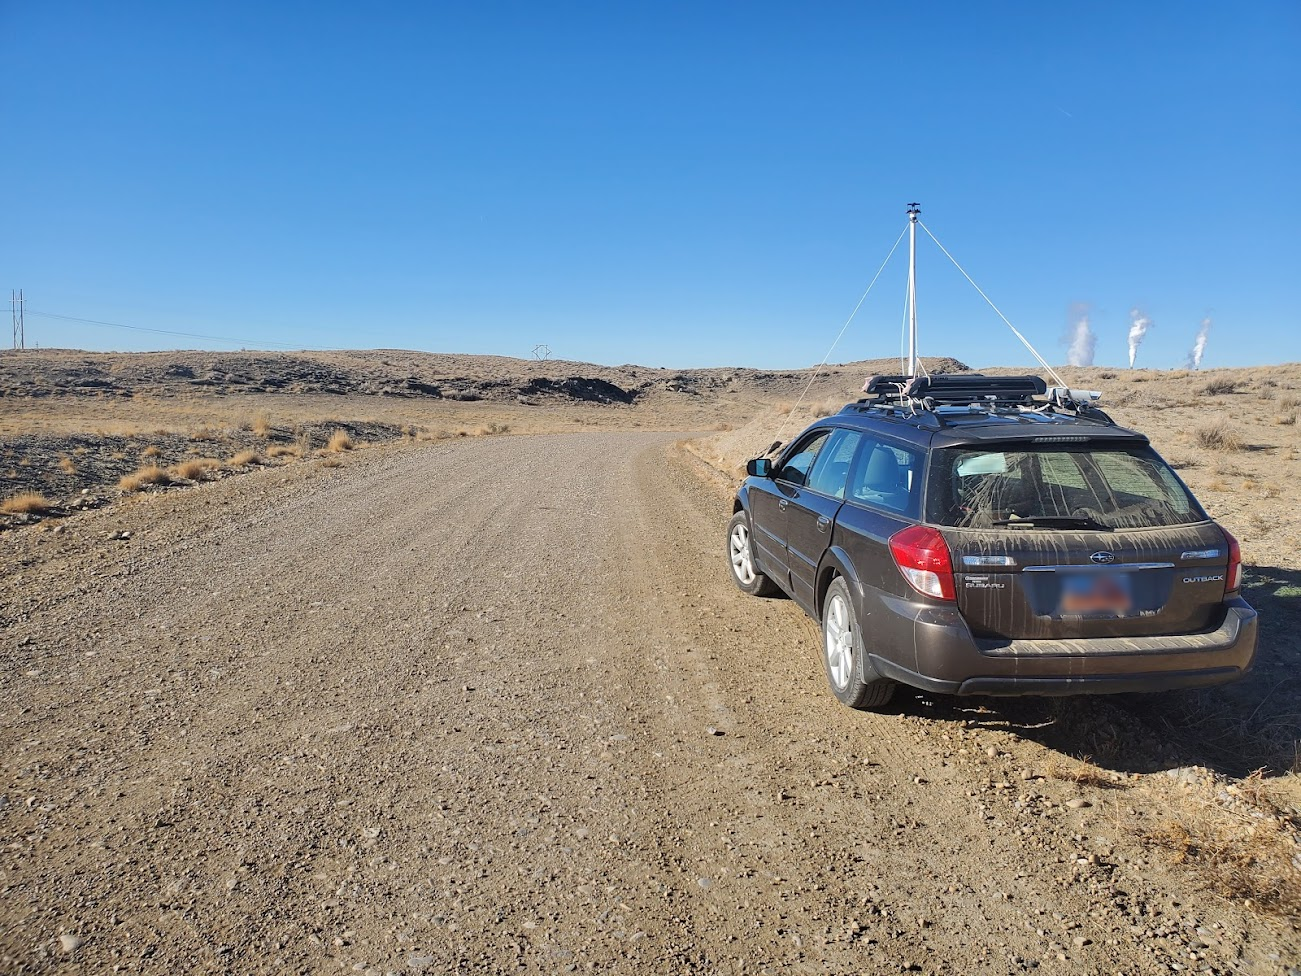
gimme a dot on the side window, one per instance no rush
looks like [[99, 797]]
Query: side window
[[831, 470], [886, 476], [797, 466]]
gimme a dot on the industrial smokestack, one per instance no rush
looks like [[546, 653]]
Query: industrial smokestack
[[1138, 326], [1194, 360], [1080, 340]]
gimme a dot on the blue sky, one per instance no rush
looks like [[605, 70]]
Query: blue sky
[[665, 184]]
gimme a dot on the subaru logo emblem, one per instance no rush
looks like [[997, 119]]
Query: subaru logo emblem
[[1103, 557]]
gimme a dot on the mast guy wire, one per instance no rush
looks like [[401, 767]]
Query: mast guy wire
[[1024, 341], [817, 370]]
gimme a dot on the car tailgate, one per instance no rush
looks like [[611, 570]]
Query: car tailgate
[[1061, 584]]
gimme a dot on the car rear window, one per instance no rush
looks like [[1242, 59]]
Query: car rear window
[[1115, 487]]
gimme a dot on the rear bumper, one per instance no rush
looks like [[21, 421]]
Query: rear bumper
[[938, 653]]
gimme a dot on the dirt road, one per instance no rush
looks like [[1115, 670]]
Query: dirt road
[[494, 705]]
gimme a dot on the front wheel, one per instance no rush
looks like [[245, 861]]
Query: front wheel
[[740, 557], [851, 678]]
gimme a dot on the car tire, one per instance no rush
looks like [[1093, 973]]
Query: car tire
[[850, 675], [740, 559]]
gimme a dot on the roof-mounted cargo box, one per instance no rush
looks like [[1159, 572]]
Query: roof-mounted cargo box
[[976, 388]]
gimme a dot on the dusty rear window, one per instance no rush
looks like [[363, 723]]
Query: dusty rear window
[[1117, 488]]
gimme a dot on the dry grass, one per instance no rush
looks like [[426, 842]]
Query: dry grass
[[1219, 387], [339, 442], [1246, 851], [284, 450], [244, 458], [1083, 773], [152, 451], [27, 503], [67, 465], [261, 424], [196, 469], [149, 475], [1219, 437], [827, 408]]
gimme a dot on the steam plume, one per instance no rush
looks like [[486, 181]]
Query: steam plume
[[1194, 359], [1138, 326], [1080, 338]]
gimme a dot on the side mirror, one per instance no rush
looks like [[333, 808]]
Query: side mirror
[[759, 468]]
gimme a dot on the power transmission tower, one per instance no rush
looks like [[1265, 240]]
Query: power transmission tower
[[541, 351], [16, 308]]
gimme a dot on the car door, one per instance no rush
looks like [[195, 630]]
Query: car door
[[770, 501], [811, 513]]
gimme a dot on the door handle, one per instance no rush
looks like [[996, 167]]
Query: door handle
[[823, 522], [782, 504]]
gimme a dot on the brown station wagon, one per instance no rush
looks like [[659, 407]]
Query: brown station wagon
[[967, 534]]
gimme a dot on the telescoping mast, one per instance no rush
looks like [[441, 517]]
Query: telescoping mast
[[913, 210]]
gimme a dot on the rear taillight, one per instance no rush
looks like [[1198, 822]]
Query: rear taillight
[[922, 556], [1232, 575]]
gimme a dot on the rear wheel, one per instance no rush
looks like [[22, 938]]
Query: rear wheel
[[740, 557], [851, 677]]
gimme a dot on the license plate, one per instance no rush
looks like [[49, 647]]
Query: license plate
[[1100, 593]]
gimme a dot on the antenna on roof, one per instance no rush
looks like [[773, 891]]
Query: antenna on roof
[[913, 210]]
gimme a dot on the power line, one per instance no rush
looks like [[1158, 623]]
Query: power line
[[185, 335]]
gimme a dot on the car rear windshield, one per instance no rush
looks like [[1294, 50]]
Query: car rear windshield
[[1089, 486]]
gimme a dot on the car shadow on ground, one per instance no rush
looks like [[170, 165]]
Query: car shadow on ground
[[1234, 729]]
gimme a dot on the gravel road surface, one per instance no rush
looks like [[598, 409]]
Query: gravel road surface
[[494, 705]]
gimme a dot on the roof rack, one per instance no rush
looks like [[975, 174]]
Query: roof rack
[[914, 395]]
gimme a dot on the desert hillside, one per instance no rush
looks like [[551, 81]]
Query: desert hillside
[[392, 662]]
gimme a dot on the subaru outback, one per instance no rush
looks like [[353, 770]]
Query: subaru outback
[[966, 534]]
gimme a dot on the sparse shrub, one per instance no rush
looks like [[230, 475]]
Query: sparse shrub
[[205, 433], [152, 451], [27, 503], [1262, 523], [827, 408], [1219, 437], [1255, 864], [261, 424], [67, 465], [149, 475], [1106, 375], [283, 450], [1220, 387], [1288, 419], [244, 458], [195, 469], [339, 442]]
